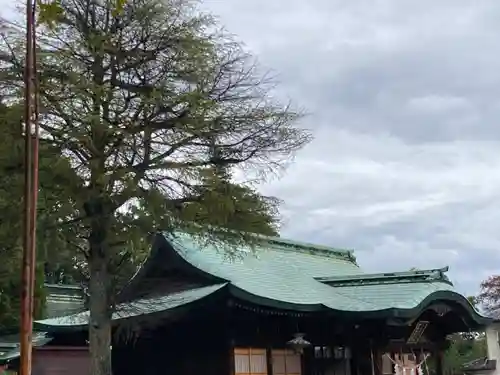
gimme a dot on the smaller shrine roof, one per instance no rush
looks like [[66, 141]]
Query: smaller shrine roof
[[136, 308], [10, 348]]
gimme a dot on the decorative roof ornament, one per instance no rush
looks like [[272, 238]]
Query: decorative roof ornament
[[298, 343]]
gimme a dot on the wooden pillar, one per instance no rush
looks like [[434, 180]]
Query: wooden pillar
[[354, 360], [438, 359], [347, 361], [378, 360], [229, 333], [269, 360]]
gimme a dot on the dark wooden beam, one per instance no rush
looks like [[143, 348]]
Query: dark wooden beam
[[438, 355]]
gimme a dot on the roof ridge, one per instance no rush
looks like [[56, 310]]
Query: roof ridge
[[436, 274], [306, 247], [302, 247]]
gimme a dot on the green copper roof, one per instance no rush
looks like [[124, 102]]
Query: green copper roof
[[136, 308], [398, 296], [276, 271], [308, 278], [288, 275]]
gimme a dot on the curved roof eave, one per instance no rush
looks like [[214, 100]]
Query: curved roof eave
[[441, 296], [147, 306], [242, 294], [446, 296]]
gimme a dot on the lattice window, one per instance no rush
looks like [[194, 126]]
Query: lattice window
[[286, 362], [250, 361]]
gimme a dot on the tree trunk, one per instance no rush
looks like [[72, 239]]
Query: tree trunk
[[99, 304]]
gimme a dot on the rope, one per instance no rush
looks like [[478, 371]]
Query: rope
[[398, 365], [419, 364], [425, 362]]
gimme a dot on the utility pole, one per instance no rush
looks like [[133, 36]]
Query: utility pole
[[31, 134]]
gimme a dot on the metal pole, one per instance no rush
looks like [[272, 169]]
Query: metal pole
[[29, 225], [35, 144]]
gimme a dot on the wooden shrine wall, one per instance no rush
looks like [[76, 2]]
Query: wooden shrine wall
[[61, 361]]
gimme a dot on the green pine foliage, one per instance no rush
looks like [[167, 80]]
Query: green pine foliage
[[463, 350], [51, 242], [136, 98]]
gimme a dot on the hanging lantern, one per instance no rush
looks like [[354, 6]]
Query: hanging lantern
[[298, 343], [338, 352]]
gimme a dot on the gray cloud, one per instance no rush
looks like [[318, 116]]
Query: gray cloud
[[404, 99], [398, 205], [364, 66]]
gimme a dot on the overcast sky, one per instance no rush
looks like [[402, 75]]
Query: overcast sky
[[404, 97], [405, 103]]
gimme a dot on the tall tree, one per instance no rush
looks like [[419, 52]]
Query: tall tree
[[136, 98], [53, 206], [461, 351], [489, 296]]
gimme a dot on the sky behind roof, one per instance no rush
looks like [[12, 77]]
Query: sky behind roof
[[404, 100]]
